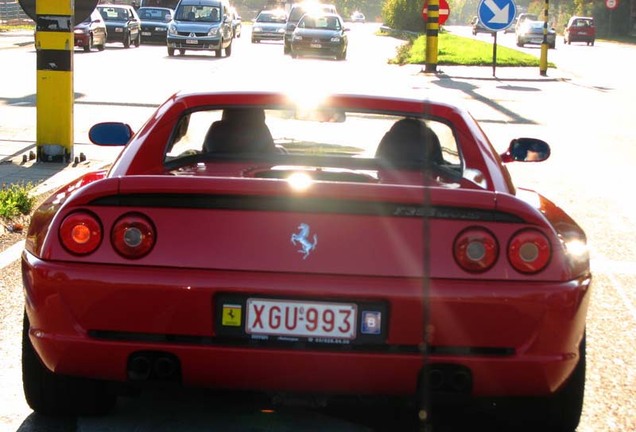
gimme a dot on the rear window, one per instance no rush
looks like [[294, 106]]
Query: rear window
[[325, 132], [297, 12]]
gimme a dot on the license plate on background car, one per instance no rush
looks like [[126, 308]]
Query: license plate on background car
[[192, 41], [300, 318], [146, 33], [315, 45]]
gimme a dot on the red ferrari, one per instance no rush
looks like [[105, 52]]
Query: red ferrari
[[343, 245]]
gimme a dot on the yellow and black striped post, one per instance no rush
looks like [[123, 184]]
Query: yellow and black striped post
[[432, 31], [543, 59], [54, 43]]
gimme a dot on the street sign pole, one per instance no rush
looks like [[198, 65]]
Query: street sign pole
[[434, 13], [496, 15], [494, 54], [432, 32], [543, 59], [54, 100]]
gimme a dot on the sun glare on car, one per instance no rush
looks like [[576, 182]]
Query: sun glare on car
[[300, 181]]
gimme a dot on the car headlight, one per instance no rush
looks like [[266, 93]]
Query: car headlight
[[213, 31], [335, 39], [257, 30], [81, 31], [172, 30], [281, 30], [297, 37]]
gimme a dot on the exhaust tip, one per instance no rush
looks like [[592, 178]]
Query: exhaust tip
[[139, 367], [153, 365]]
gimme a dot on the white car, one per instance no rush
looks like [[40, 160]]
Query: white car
[[358, 17]]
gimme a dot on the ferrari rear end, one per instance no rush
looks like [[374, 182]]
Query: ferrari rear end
[[310, 275]]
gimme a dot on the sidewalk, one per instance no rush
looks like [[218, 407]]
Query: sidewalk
[[18, 165], [16, 38]]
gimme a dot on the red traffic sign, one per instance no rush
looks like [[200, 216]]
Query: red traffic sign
[[444, 11], [611, 4]]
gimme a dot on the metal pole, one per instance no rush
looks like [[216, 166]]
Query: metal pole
[[54, 42], [432, 31], [543, 60], [494, 54]]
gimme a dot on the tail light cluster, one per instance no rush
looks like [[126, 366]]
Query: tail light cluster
[[476, 250], [132, 236]]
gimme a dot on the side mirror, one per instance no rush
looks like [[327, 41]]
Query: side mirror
[[526, 150], [110, 134]]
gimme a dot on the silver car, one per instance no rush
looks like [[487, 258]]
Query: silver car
[[531, 32]]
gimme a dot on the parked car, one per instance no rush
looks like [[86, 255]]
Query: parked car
[[296, 13], [122, 22], [269, 25], [235, 264], [201, 25], [237, 22], [531, 32], [320, 34], [478, 27], [91, 32], [522, 17], [154, 23], [358, 17], [580, 29]]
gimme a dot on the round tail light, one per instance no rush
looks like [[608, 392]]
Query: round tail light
[[529, 251], [476, 250], [81, 233], [133, 236]]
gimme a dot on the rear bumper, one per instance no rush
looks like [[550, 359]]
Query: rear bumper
[[88, 320]]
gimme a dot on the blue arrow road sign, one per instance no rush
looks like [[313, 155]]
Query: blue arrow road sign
[[496, 15]]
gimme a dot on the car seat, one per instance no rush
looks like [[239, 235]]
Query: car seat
[[409, 142], [241, 130]]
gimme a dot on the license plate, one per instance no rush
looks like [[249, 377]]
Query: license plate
[[301, 319], [315, 45], [146, 33], [192, 41]]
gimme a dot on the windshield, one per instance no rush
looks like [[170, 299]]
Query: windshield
[[198, 13]]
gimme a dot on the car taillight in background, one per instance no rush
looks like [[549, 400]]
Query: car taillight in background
[[81, 233], [133, 236]]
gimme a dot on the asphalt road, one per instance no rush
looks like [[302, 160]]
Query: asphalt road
[[581, 109]]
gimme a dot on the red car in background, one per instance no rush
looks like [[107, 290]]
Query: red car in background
[[580, 29], [356, 245], [91, 32]]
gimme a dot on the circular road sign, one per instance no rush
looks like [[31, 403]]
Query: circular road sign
[[444, 11], [83, 9], [611, 4]]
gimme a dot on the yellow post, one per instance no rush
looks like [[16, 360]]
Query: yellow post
[[54, 43], [432, 31], [543, 59]]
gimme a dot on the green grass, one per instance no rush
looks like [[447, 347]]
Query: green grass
[[16, 200], [458, 50]]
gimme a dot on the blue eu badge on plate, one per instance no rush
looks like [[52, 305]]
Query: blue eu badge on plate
[[371, 322]]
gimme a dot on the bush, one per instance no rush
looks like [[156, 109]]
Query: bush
[[15, 200], [404, 15]]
